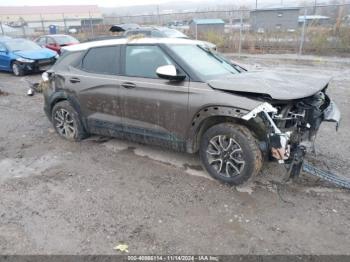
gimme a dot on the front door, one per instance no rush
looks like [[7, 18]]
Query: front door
[[153, 108]]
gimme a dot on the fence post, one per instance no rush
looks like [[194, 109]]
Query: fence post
[[64, 22], [24, 31], [196, 30], [302, 38], [158, 15], [2, 29], [91, 26], [42, 23], [240, 35]]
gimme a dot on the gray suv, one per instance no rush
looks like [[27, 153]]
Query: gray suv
[[178, 94]]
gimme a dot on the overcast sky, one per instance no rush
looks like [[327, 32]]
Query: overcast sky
[[107, 3]]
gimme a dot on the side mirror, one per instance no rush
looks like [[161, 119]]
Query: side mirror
[[169, 72]]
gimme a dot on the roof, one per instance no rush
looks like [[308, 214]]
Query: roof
[[121, 41], [276, 8], [208, 21], [52, 9]]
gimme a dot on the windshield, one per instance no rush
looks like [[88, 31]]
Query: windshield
[[65, 39], [21, 45], [205, 63], [174, 33]]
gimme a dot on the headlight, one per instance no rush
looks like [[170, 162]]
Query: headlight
[[25, 60], [57, 56]]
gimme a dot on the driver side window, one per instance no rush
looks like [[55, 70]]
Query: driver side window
[[143, 61]]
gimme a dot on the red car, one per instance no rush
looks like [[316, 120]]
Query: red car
[[55, 42]]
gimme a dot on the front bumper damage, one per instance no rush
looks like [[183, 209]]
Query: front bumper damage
[[279, 141], [37, 65], [289, 143]]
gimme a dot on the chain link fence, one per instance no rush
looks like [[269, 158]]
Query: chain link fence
[[319, 29]]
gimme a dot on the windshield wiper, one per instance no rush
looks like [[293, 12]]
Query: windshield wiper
[[207, 50]]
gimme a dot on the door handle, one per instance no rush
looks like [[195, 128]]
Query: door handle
[[74, 80], [128, 85]]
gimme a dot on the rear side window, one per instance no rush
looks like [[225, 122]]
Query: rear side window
[[102, 60], [68, 59]]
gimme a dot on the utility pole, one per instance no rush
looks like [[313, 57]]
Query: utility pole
[[256, 4], [302, 33], [315, 4], [240, 35], [158, 15]]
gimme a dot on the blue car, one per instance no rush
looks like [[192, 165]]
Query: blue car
[[20, 56]]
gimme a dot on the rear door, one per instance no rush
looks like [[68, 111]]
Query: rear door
[[153, 108], [97, 84]]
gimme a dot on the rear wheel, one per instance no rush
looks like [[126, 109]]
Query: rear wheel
[[229, 153], [66, 122], [17, 70]]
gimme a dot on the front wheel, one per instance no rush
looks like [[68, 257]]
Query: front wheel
[[17, 70], [229, 153]]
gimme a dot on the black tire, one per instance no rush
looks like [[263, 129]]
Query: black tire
[[66, 122], [238, 148], [17, 70]]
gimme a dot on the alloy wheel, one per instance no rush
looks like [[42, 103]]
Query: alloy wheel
[[225, 155], [64, 123]]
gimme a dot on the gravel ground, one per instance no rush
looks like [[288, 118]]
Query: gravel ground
[[58, 197]]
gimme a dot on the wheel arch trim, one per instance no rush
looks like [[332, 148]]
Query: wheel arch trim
[[64, 96], [207, 117]]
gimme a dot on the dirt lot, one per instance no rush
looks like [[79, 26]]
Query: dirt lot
[[58, 197]]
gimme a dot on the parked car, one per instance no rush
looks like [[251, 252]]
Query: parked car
[[56, 42], [21, 56], [129, 30], [156, 31], [178, 94]]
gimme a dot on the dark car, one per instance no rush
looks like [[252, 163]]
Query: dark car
[[177, 94], [20, 56], [56, 42]]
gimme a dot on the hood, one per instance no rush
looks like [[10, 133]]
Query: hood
[[278, 85], [42, 53]]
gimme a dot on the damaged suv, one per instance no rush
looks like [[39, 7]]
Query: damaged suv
[[175, 93]]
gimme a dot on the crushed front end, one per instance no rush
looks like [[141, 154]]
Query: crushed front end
[[291, 126]]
